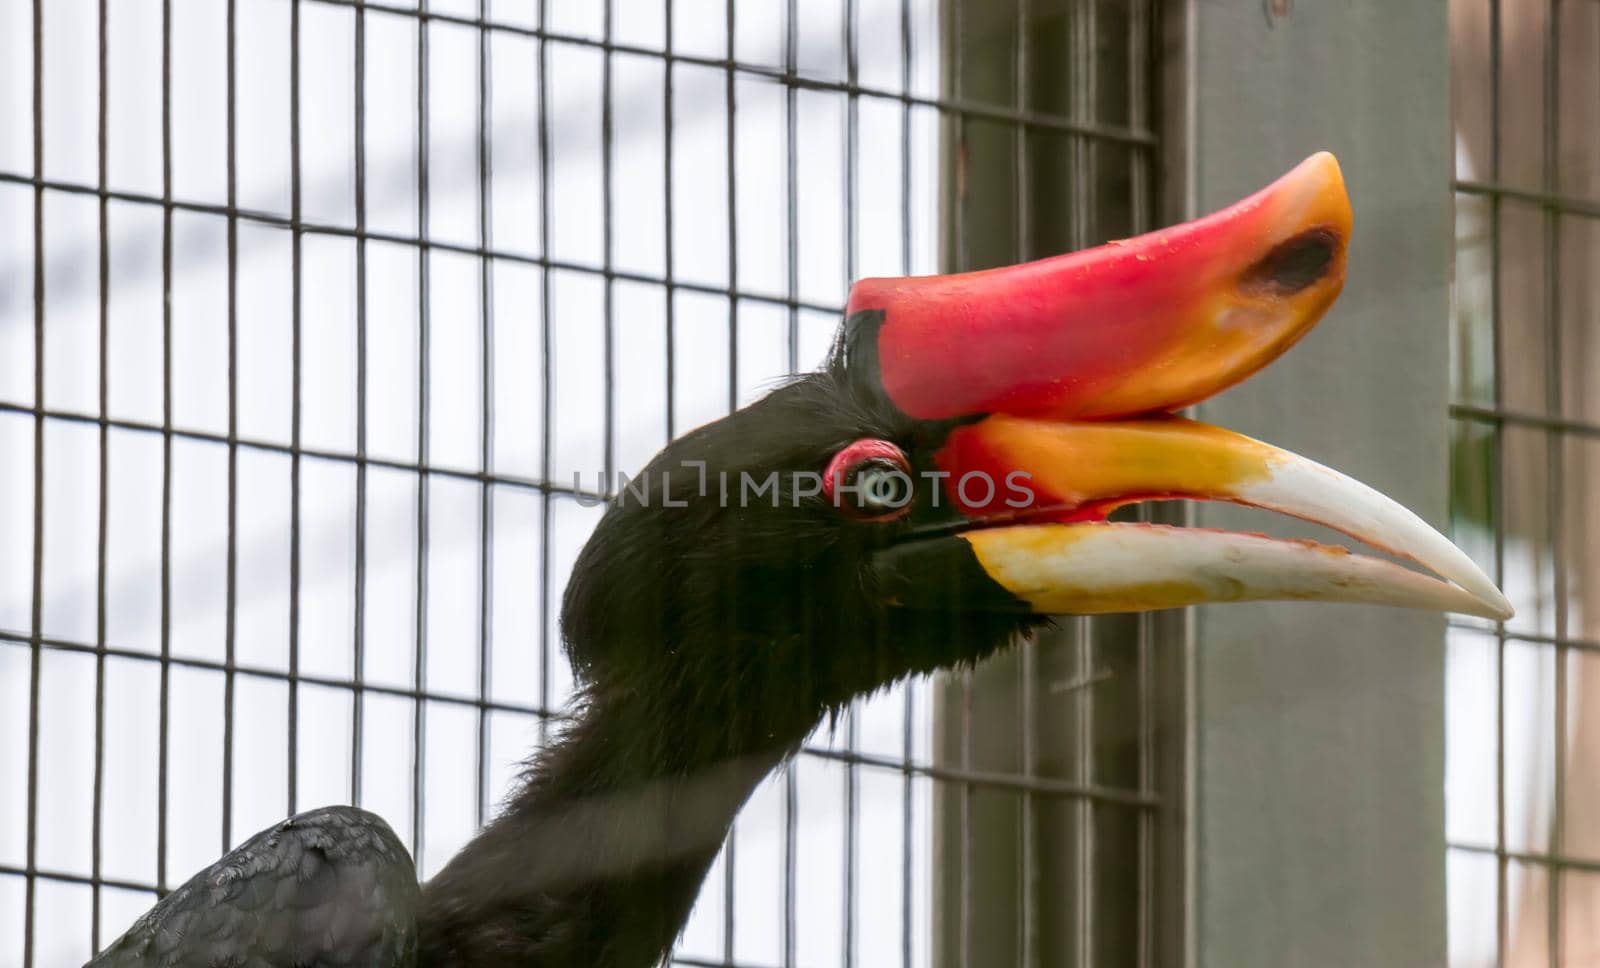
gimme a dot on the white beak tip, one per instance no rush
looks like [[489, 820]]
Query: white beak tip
[[1094, 567], [1500, 610]]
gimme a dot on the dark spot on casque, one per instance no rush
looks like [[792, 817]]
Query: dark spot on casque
[[1295, 263]]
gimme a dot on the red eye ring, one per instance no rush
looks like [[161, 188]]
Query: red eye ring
[[846, 496]]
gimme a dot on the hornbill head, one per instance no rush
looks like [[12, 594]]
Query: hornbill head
[[943, 483]]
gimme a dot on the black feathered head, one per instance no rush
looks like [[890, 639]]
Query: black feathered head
[[943, 482]]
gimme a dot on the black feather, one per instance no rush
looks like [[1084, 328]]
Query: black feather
[[331, 888]]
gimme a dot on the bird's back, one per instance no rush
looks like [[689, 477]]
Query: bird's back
[[333, 888]]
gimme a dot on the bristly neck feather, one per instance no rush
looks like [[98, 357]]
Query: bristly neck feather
[[597, 858]]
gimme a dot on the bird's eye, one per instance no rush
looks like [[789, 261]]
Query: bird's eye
[[870, 479]]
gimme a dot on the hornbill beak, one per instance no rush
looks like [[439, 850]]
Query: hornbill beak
[[1059, 380]]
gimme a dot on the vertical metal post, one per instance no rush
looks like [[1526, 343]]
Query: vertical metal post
[[36, 608], [486, 490], [231, 606], [1318, 811], [908, 790], [358, 661], [851, 790], [419, 732], [791, 93], [546, 353], [1496, 110], [296, 413], [1555, 484], [162, 793], [730, 857], [97, 868]]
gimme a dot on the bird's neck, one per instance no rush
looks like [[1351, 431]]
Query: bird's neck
[[597, 859]]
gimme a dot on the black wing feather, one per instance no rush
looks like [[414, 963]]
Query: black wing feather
[[331, 888]]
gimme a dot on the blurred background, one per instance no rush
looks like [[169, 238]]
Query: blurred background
[[324, 324], [1524, 714]]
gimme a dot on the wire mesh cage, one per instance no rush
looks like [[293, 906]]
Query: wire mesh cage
[[1524, 861], [1068, 861], [324, 328]]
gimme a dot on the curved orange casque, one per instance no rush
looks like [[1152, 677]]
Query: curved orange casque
[[1153, 323]]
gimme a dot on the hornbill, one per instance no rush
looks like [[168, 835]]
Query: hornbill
[[937, 490]]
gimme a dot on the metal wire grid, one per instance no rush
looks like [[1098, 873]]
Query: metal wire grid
[[1048, 880], [1524, 859], [363, 701]]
